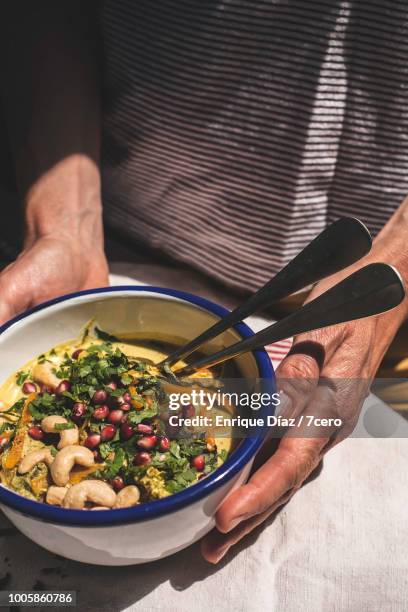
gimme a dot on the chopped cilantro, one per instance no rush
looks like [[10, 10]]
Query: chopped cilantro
[[21, 377], [105, 449], [127, 379], [135, 418], [63, 426], [5, 426], [223, 454], [113, 467]]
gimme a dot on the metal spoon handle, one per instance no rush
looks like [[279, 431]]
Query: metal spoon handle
[[344, 242], [369, 291]]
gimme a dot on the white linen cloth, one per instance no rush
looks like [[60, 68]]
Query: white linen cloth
[[339, 545]]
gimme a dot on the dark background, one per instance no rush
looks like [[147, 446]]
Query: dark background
[[11, 209]]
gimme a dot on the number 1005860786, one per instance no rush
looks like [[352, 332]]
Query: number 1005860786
[[45, 598]]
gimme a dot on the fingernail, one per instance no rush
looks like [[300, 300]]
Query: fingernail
[[233, 523], [236, 521], [221, 553]]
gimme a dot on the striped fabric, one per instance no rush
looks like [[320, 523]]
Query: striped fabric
[[278, 351], [234, 131]]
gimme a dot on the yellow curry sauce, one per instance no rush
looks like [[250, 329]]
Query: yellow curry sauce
[[86, 426]]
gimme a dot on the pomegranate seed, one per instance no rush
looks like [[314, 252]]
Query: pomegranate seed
[[164, 444], [198, 463], [142, 458], [99, 397], [115, 416], [76, 354], [78, 411], [117, 483], [143, 428], [101, 412], [64, 385], [108, 433], [93, 440], [112, 385], [126, 431], [36, 433], [147, 442], [125, 407], [29, 387], [97, 456], [126, 398], [46, 389], [188, 411]]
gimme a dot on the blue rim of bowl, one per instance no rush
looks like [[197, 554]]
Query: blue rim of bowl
[[232, 466]]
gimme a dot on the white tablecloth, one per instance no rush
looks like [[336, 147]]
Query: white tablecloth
[[339, 545]]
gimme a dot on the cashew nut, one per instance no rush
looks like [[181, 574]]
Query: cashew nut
[[95, 491], [65, 460], [68, 436], [42, 373], [31, 459], [127, 497], [55, 495]]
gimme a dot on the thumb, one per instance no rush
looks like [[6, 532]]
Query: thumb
[[298, 376], [14, 292]]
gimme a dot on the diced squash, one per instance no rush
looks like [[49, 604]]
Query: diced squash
[[14, 455], [39, 484], [79, 474], [135, 401], [26, 415]]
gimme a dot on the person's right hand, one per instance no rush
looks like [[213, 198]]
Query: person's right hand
[[50, 266], [63, 250]]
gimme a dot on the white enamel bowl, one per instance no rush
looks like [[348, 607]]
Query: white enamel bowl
[[153, 530]]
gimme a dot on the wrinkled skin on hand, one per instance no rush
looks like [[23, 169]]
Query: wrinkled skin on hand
[[326, 374], [49, 267]]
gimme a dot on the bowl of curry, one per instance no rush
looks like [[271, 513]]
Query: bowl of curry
[[88, 451]]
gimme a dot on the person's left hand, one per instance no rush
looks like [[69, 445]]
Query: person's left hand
[[347, 356]]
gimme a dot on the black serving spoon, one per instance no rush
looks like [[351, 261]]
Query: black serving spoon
[[369, 291], [341, 244]]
